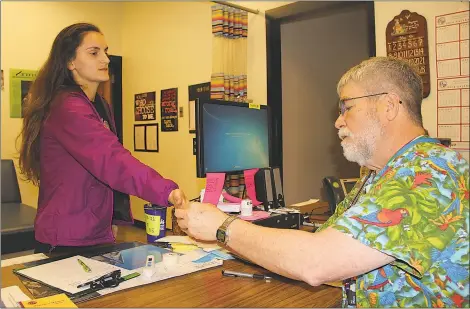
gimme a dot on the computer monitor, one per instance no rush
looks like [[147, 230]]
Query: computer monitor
[[231, 137]]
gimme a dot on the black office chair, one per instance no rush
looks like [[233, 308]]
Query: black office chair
[[334, 192], [10, 188], [17, 218]]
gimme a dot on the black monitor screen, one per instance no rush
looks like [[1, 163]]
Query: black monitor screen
[[231, 137]]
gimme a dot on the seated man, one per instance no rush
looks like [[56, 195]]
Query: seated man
[[400, 238]]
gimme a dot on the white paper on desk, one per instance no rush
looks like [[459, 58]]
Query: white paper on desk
[[23, 259], [67, 273], [310, 201], [12, 295], [185, 266]]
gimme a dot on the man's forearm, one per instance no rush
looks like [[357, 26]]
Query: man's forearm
[[286, 252], [315, 258]]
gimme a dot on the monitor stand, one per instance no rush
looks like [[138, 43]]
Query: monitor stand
[[215, 184]]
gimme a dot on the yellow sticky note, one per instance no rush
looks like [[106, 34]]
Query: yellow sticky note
[[253, 105], [55, 301], [182, 248]]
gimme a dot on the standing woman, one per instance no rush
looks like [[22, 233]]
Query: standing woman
[[70, 149]]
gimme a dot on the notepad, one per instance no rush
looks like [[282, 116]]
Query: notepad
[[67, 274], [55, 301], [12, 295]]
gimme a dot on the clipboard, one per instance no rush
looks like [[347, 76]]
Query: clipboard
[[108, 276]]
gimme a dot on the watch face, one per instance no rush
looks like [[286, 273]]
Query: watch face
[[220, 235]]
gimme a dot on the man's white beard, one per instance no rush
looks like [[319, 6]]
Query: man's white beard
[[360, 147]]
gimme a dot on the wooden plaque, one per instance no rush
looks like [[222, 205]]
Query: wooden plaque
[[407, 39]]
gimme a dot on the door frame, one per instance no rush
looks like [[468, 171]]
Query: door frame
[[115, 68]]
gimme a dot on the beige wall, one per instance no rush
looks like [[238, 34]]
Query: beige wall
[[262, 6], [385, 11], [27, 32], [155, 59], [163, 45]]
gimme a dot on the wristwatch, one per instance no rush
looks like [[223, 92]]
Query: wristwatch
[[222, 234]]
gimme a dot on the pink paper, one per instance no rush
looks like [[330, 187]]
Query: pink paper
[[214, 186], [255, 216], [250, 185], [231, 198]]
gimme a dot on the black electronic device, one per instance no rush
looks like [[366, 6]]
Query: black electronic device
[[277, 188], [281, 221], [268, 184], [264, 188], [445, 141], [337, 189]]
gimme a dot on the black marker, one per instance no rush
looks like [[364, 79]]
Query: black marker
[[229, 273]]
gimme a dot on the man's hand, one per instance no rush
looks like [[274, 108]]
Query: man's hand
[[177, 198], [200, 221]]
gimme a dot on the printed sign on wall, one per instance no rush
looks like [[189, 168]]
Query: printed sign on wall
[[169, 110], [20, 81], [144, 106]]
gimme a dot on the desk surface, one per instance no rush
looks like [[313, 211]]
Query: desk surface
[[17, 217], [208, 288]]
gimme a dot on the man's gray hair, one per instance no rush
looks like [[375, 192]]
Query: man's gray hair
[[386, 74]]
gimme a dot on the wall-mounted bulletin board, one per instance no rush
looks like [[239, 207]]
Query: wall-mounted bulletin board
[[407, 38]]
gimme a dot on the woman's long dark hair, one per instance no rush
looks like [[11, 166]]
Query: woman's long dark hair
[[52, 77]]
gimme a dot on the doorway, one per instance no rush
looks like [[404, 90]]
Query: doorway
[[111, 91], [309, 46]]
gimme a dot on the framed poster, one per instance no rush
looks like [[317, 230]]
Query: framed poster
[[169, 110], [139, 137], [20, 81], [151, 137], [144, 106], [146, 137]]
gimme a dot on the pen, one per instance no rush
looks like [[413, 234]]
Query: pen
[[84, 266], [112, 276], [163, 244], [229, 273]]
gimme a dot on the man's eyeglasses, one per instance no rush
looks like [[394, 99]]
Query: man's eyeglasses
[[342, 103]]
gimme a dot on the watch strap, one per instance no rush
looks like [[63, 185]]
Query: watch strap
[[223, 228]]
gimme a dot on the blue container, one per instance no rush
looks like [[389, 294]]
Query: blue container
[[155, 222]]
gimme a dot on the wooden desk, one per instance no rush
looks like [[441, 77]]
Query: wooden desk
[[208, 288]]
